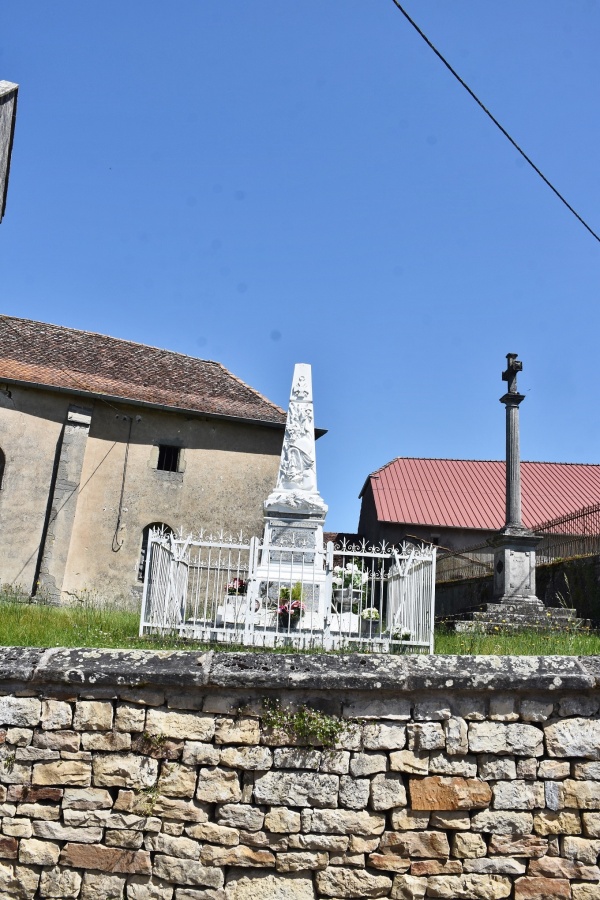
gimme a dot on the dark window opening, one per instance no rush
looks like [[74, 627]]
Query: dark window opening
[[156, 526], [168, 458]]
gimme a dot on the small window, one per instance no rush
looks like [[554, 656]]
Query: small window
[[168, 458]]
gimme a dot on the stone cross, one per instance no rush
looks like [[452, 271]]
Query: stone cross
[[513, 366]]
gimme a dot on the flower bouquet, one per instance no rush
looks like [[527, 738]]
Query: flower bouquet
[[237, 586]]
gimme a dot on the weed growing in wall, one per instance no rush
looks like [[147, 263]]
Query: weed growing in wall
[[309, 726]]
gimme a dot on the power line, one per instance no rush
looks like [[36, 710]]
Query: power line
[[494, 120]]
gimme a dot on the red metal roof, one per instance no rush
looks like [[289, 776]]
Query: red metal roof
[[470, 493], [54, 356]]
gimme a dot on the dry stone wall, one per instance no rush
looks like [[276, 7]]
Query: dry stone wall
[[152, 776]]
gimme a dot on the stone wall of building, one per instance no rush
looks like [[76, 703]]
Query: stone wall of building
[[152, 776]]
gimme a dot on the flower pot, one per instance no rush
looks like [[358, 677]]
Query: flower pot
[[343, 598], [370, 628]]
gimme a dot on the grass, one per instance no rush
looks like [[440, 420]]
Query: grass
[[24, 624]]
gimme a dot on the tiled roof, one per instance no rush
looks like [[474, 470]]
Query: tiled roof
[[470, 493], [54, 356]]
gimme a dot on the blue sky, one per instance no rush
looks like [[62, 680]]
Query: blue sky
[[264, 183]]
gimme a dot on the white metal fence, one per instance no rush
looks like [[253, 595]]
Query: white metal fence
[[247, 592]]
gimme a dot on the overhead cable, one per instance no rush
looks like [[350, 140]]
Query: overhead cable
[[494, 120]]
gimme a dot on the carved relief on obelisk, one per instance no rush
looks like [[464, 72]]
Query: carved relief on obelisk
[[296, 487]]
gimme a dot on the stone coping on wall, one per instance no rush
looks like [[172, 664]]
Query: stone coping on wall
[[140, 669]]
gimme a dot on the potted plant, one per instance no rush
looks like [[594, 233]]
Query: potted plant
[[370, 617], [348, 584], [290, 607], [237, 586]]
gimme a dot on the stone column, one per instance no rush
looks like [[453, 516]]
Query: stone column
[[513, 460]]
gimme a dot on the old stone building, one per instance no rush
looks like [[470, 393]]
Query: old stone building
[[100, 438]]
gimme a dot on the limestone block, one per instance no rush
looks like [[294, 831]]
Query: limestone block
[[18, 828], [335, 762], [347, 859], [472, 708], [387, 792], [38, 811], [487, 737], [555, 867], [19, 737], [369, 763], [129, 717], [234, 815], [258, 883], [327, 842], [414, 762], [504, 708], [283, 788], [175, 829], [542, 889], [215, 834], [499, 865], [554, 795], [38, 853], [181, 847], [586, 891], [218, 786], [410, 844], [62, 884], [450, 820], [35, 754], [527, 768], [346, 882], [469, 887], [425, 736], [18, 881], [193, 726], [177, 780], [518, 795], [282, 821], [554, 769], [389, 708], [14, 773], [106, 740], [500, 822], [362, 845], [441, 792], [468, 846], [56, 714], [407, 887], [87, 798], [54, 831], [57, 740], [247, 758], [578, 706], [457, 736], [383, 736], [244, 730], [581, 849], [581, 794], [436, 708], [547, 822], [20, 711], [354, 792], [105, 859], [345, 822], [172, 808], [236, 856], [496, 768], [301, 861], [100, 886], [423, 867], [440, 764], [587, 771], [125, 770], [409, 819], [574, 737], [389, 862], [140, 887], [127, 838], [295, 758], [9, 847], [28, 793], [198, 754], [525, 740], [93, 715], [536, 710], [591, 824]]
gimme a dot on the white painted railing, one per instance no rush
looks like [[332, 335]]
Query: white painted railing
[[351, 596]]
